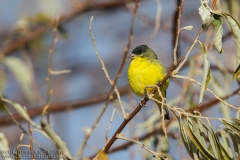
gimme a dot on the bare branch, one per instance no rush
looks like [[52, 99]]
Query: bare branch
[[177, 30], [105, 70], [155, 154]]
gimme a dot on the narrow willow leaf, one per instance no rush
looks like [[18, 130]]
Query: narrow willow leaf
[[22, 74], [59, 143], [4, 147], [234, 138], [231, 125], [216, 148], [184, 136], [220, 92], [195, 151], [2, 79], [21, 111], [225, 145], [206, 73], [190, 28], [237, 121], [236, 33], [236, 74], [164, 147], [219, 32], [199, 146], [206, 15], [197, 130], [234, 132]]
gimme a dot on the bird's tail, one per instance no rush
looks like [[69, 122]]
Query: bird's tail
[[166, 115]]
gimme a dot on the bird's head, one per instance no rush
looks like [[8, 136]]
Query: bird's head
[[143, 51]]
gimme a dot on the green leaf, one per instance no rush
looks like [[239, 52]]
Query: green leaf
[[164, 147], [3, 143], [220, 92], [234, 132], [198, 144], [22, 74], [236, 74], [21, 111], [236, 33], [2, 79], [206, 73], [234, 137], [184, 136], [225, 145], [216, 148], [219, 32], [206, 15]]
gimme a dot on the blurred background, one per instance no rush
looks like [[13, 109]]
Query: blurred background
[[26, 38]]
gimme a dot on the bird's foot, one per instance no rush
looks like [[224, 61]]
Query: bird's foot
[[147, 95], [141, 103]]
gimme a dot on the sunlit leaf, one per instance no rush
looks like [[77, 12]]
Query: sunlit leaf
[[234, 137], [22, 74], [21, 111], [225, 145], [4, 147], [234, 131], [61, 145], [2, 80], [236, 33], [198, 144], [164, 147], [219, 32], [216, 148], [206, 73], [206, 15], [220, 91], [184, 136], [190, 28]]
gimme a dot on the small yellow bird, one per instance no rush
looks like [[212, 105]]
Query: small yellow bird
[[146, 70]]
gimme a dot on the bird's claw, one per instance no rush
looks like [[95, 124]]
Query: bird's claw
[[141, 103], [148, 96]]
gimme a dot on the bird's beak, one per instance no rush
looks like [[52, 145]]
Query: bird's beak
[[132, 56]]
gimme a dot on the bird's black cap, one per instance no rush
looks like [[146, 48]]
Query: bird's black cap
[[140, 49]]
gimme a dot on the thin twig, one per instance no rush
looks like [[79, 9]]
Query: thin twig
[[155, 154], [193, 80], [143, 102], [78, 9], [157, 19], [105, 70], [30, 133], [177, 31], [110, 124], [109, 97], [67, 105], [48, 78]]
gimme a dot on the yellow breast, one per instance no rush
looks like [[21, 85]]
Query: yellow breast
[[143, 72]]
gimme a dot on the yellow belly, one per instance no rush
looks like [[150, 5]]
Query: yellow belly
[[143, 72]]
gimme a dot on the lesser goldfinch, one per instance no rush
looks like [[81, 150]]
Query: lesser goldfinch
[[146, 70]]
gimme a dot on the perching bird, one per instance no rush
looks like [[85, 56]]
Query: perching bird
[[146, 70]]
